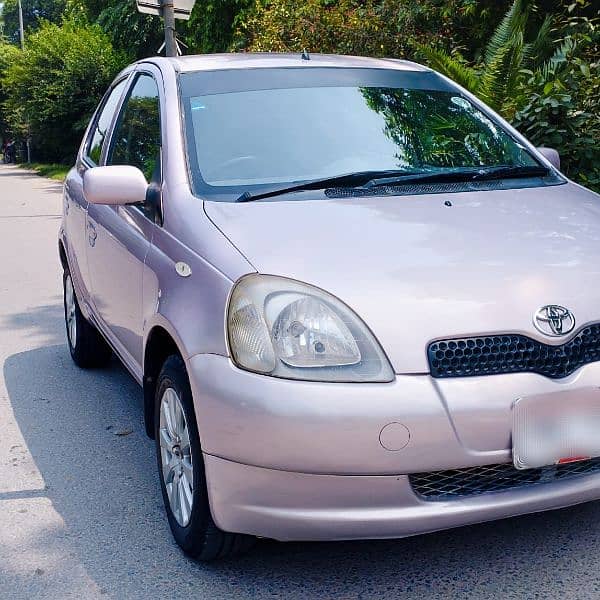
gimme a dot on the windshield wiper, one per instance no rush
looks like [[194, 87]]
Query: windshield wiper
[[347, 180], [471, 174], [391, 177]]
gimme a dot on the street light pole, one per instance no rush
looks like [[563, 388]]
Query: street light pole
[[22, 34], [21, 30], [168, 15]]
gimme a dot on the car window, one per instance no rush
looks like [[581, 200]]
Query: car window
[[137, 140], [103, 121], [279, 128]]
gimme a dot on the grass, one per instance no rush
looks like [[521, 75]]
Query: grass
[[52, 171]]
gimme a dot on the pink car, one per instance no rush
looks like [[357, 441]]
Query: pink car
[[359, 303]]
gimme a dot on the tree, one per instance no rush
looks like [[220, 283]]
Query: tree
[[393, 28], [558, 102], [8, 55], [496, 77], [212, 24], [34, 11], [55, 84], [138, 34]]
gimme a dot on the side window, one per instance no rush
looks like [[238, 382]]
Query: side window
[[136, 140], [103, 122]]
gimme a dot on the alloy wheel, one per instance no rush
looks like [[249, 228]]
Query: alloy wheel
[[176, 457], [70, 311]]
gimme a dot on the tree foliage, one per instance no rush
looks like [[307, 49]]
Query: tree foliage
[[138, 34], [56, 83], [548, 87], [8, 55], [213, 23], [362, 27], [496, 77], [558, 103], [34, 11], [539, 72]]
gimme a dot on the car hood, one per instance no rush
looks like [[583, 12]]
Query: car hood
[[425, 267]]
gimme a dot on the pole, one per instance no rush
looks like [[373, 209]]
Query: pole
[[22, 35], [168, 15], [21, 29]]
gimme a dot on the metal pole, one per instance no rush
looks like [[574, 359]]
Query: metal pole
[[168, 15], [28, 142], [22, 34], [21, 30]]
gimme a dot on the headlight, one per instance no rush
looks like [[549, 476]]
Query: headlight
[[284, 328]]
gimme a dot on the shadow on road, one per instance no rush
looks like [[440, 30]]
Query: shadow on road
[[15, 172], [84, 430], [45, 321]]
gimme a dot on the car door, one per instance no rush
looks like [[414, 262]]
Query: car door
[[119, 236], [75, 203]]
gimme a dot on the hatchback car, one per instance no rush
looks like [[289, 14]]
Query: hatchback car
[[360, 304]]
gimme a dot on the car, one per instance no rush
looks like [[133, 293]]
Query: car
[[359, 303]]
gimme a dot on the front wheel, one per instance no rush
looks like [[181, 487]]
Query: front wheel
[[87, 347], [181, 469]]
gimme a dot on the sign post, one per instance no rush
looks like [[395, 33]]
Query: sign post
[[168, 15], [169, 10]]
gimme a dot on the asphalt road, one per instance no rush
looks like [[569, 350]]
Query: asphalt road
[[80, 508]]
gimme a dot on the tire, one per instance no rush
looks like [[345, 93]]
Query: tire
[[193, 527], [87, 347]]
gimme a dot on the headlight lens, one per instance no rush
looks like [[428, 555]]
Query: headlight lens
[[284, 328]]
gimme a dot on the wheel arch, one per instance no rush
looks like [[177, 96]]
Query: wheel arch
[[62, 253], [160, 344]]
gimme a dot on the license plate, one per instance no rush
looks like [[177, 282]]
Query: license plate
[[560, 427]]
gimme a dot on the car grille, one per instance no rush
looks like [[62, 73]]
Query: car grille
[[492, 355], [473, 481]]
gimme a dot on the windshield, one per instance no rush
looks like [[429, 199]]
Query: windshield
[[247, 139]]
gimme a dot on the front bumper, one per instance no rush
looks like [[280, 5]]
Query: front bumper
[[290, 506], [306, 461]]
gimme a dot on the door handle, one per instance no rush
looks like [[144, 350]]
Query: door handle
[[92, 235]]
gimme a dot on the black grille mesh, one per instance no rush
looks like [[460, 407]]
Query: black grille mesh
[[421, 188], [491, 355], [458, 483]]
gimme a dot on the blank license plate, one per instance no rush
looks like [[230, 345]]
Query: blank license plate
[[556, 428]]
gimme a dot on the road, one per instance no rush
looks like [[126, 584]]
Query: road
[[80, 508]]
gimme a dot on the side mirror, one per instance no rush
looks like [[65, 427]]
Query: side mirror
[[116, 185], [551, 155]]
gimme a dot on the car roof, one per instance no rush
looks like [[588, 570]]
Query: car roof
[[271, 60]]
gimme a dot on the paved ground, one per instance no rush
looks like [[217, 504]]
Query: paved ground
[[80, 508]]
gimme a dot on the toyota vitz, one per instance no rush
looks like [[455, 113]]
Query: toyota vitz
[[359, 303]]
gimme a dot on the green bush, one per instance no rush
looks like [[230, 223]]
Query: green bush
[[54, 85]]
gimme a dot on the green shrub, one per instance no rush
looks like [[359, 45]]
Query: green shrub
[[54, 85]]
